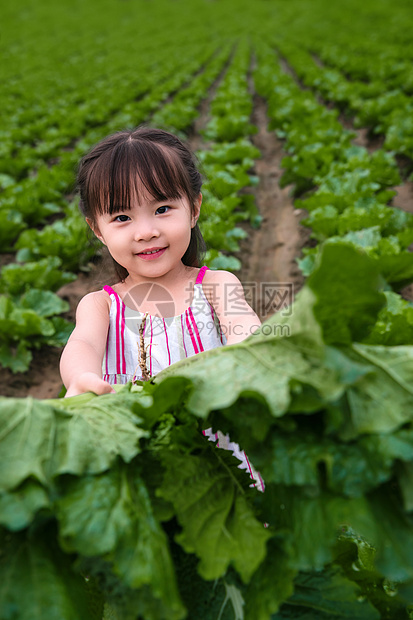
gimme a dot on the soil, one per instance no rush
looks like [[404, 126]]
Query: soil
[[268, 255], [404, 198]]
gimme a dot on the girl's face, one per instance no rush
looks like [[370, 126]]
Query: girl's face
[[150, 238]]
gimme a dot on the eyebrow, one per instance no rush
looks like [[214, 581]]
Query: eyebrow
[[165, 199], [151, 203]]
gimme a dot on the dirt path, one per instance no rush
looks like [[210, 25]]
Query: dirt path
[[268, 255], [195, 139]]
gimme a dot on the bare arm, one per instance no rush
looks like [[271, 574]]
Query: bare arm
[[81, 361], [225, 293]]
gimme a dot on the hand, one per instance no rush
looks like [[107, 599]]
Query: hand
[[89, 382]]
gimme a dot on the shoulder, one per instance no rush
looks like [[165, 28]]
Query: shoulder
[[92, 318], [226, 295], [98, 301], [220, 277], [219, 284]]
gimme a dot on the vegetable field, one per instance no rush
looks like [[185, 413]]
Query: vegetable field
[[301, 115]]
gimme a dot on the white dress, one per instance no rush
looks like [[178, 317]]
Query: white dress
[[166, 341]]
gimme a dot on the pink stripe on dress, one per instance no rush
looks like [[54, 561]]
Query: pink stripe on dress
[[107, 356], [122, 335], [198, 337], [201, 274], [262, 485], [249, 467], [183, 334], [109, 291], [150, 347], [167, 342], [191, 333], [117, 335]]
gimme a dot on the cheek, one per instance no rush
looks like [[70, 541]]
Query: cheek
[[183, 236], [183, 227], [188, 239]]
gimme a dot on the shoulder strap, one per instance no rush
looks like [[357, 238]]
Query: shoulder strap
[[201, 274], [110, 291]]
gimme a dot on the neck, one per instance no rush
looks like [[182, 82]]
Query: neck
[[166, 296], [170, 279]]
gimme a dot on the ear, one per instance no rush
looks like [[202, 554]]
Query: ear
[[95, 229], [196, 211]]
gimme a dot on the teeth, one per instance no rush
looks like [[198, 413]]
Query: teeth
[[152, 252]]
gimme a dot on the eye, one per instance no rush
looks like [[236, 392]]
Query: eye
[[121, 218], [162, 210]]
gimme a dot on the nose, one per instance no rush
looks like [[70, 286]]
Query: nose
[[146, 229]]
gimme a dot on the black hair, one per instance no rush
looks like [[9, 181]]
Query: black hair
[[112, 172]]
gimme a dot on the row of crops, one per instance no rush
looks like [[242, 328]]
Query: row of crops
[[116, 506]]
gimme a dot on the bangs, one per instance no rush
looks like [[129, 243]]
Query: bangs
[[133, 171]]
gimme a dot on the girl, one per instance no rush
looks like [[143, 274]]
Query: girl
[[140, 194]]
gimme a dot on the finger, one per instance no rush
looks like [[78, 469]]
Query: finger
[[89, 382], [98, 386], [107, 389]]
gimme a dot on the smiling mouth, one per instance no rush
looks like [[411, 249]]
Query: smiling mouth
[[151, 253]]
